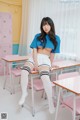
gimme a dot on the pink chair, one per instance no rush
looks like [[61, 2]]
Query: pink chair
[[67, 75], [38, 86], [68, 101], [16, 73], [37, 83]]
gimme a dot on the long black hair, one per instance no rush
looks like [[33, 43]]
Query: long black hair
[[51, 33]]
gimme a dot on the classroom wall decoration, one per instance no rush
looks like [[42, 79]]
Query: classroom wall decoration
[[5, 36]]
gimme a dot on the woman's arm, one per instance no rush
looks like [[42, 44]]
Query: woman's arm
[[52, 59], [35, 58]]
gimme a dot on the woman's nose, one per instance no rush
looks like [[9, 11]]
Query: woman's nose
[[45, 26]]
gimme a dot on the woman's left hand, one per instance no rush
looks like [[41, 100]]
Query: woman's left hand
[[36, 67]]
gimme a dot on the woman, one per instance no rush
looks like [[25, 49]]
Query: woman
[[44, 45]]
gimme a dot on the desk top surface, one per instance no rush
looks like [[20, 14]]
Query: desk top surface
[[70, 84], [58, 64], [14, 58], [65, 64]]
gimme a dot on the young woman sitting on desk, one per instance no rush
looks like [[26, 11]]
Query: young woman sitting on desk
[[44, 45]]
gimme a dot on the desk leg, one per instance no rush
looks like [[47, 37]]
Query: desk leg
[[4, 75], [33, 110], [74, 107], [10, 78], [57, 104]]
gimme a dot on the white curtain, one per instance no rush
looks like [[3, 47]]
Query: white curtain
[[23, 37], [68, 27], [36, 11], [66, 19]]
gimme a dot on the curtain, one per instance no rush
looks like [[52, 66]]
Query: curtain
[[66, 19], [68, 27], [37, 9], [23, 37]]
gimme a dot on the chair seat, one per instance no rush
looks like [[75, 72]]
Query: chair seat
[[38, 85], [69, 103], [16, 72]]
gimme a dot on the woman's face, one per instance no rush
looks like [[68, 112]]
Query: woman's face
[[46, 28]]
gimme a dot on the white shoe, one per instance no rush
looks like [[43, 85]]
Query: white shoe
[[22, 100]]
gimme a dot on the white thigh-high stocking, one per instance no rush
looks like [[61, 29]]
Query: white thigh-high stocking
[[24, 84], [48, 89]]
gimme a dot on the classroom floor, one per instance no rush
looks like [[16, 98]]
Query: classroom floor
[[9, 105]]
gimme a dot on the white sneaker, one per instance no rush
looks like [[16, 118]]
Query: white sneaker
[[22, 100]]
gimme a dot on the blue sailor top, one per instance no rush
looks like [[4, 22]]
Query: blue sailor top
[[37, 43]]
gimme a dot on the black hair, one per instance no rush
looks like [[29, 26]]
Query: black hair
[[51, 33]]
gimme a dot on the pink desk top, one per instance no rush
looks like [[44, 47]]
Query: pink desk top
[[14, 58], [64, 64], [71, 84], [56, 65]]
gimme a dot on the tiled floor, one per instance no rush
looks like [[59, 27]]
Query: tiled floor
[[9, 105]]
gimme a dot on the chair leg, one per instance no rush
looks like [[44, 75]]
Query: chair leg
[[42, 94], [33, 105], [13, 85], [45, 96], [19, 80], [4, 83]]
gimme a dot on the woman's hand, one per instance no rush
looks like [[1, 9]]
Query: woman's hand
[[36, 67], [54, 67]]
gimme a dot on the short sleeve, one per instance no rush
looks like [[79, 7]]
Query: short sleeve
[[57, 50], [34, 43]]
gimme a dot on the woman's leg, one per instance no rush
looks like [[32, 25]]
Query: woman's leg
[[44, 73], [24, 80]]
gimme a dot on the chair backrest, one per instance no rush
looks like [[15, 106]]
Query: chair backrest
[[16, 72], [67, 75], [68, 102], [38, 85]]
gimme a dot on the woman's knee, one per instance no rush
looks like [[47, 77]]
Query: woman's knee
[[28, 66], [44, 70]]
